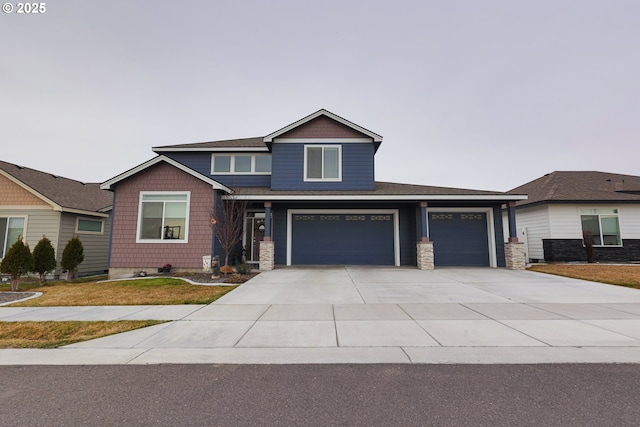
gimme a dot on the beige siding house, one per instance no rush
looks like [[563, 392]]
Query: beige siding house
[[35, 204]]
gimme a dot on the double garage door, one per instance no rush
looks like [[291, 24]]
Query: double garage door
[[343, 238]]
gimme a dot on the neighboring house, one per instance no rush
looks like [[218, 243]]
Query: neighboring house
[[35, 204], [563, 205], [313, 200]]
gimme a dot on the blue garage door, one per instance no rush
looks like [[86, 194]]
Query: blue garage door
[[342, 239], [459, 239]]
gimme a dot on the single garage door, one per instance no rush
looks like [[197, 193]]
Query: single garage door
[[459, 238], [342, 239]]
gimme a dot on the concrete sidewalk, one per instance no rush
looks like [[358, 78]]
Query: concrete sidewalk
[[368, 315]]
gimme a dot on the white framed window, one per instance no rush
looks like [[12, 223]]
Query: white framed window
[[323, 163], [240, 164], [89, 226], [603, 224], [163, 217], [11, 228]]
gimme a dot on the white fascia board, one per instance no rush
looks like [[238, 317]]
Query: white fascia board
[[320, 140], [54, 205], [210, 149], [323, 112], [86, 213], [215, 184], [381, 197]]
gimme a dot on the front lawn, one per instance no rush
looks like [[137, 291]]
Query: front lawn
[[623, 275], [151, 291], [56, 334]]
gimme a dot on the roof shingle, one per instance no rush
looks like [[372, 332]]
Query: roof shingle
[[580, 186], [67, 193]]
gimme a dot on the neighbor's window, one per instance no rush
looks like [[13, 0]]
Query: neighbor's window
[[163, 217], [603, 224], [10, 229], [323, 163], [245, 164], [84, 225]]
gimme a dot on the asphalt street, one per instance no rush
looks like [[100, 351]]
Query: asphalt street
[[309, 395]]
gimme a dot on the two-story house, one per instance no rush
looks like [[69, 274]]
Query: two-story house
[[312, 199]]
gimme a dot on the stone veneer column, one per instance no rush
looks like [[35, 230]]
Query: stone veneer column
[[515, 256], [425, 255], [266, 255]]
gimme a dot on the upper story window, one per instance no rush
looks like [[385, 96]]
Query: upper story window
[[89, 226], [241, 164], [163, 217], [11, 228], [322, 163], [603, 225]]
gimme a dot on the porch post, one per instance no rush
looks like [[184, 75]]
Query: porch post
[[424, 249], [267, 221], [514, 254], [513, 232], [424, 222], [267, 245]]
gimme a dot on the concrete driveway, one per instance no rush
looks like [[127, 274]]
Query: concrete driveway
[[371, 315]]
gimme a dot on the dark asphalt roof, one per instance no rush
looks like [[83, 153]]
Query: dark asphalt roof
[[575, 186], [382, 189], [256, 142], [66, 192]]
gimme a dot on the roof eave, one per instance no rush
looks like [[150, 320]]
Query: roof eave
[[108, 185], [382, 197]]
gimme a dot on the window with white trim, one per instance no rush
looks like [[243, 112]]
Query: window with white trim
[[89, 226], [322, 163], [241, 164], [11, 228], [603, 225], [163, 217]]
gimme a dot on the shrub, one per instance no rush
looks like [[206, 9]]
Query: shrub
[[72, 256], [44, 258], [17, 262], [243, 268]]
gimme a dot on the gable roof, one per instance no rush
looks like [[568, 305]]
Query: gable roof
[[63, 194], [383, 191], [580, 186], [322, 112], [263, 143], [107, 185]]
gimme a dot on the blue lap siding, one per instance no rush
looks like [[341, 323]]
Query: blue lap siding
[[357, 168]]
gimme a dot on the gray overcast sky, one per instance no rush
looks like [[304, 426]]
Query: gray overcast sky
[[471, 94]]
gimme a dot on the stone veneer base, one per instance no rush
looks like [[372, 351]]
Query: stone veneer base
[[514, 255], [266, 255]]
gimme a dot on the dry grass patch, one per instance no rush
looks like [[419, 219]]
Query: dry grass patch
[[153, 291], [624, 275], [56, 334]]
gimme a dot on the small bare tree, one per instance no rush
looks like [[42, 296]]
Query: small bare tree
[[227, 220]]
